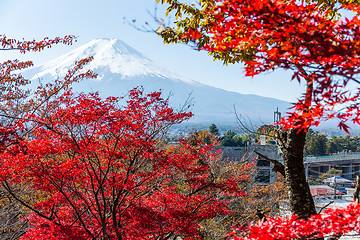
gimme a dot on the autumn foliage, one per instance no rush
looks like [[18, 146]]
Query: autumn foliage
[[104, 175], [16, 97], [11, 82], [292, 35], [100, 166], [79, 167], [17, 100], [330, 222]]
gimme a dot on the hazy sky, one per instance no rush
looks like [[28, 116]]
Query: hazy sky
[[89, 19]]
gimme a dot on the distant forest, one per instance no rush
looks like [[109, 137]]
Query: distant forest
[[317, 144]]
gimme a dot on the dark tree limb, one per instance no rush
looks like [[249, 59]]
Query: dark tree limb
[[278, 166]]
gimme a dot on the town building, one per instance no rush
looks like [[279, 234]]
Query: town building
[[264, 174]]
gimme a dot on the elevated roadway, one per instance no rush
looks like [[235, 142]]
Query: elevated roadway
[[349, 164]]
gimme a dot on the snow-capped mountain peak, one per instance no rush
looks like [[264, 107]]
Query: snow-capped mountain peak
[[110, 55]]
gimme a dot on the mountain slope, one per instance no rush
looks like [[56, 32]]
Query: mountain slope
[[120, 68]]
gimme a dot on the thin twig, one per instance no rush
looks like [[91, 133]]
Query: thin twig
[[325, 206]]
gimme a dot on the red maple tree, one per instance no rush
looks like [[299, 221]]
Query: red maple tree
[[17, 100], [321, 51], [104, 175]]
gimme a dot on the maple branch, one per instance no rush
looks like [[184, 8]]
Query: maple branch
[[309, 86], [71, 203], [352, 78], [27, 46], [277, 61], [278, 166], [202, 203], [7, 187], [149, 27], [325, 206], [95, 191]]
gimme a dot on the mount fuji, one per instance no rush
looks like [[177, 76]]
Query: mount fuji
[[121, 68]]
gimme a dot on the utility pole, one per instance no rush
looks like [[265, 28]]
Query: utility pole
[[277, 116]]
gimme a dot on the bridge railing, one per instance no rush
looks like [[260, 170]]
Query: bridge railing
[[332, 157]]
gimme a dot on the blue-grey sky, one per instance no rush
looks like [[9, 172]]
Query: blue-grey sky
[[89, 19]]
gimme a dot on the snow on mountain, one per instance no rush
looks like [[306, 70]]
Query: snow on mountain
[[110, 55], [121, 68]]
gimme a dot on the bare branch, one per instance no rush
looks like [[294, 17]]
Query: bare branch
[[242, 123], [325, 206]]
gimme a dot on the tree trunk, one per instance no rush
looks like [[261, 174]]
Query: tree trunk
[[292, 145]]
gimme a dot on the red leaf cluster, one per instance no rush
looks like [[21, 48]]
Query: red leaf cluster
[[331, 221], [291, 35], [15, 95], [35, 46]]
